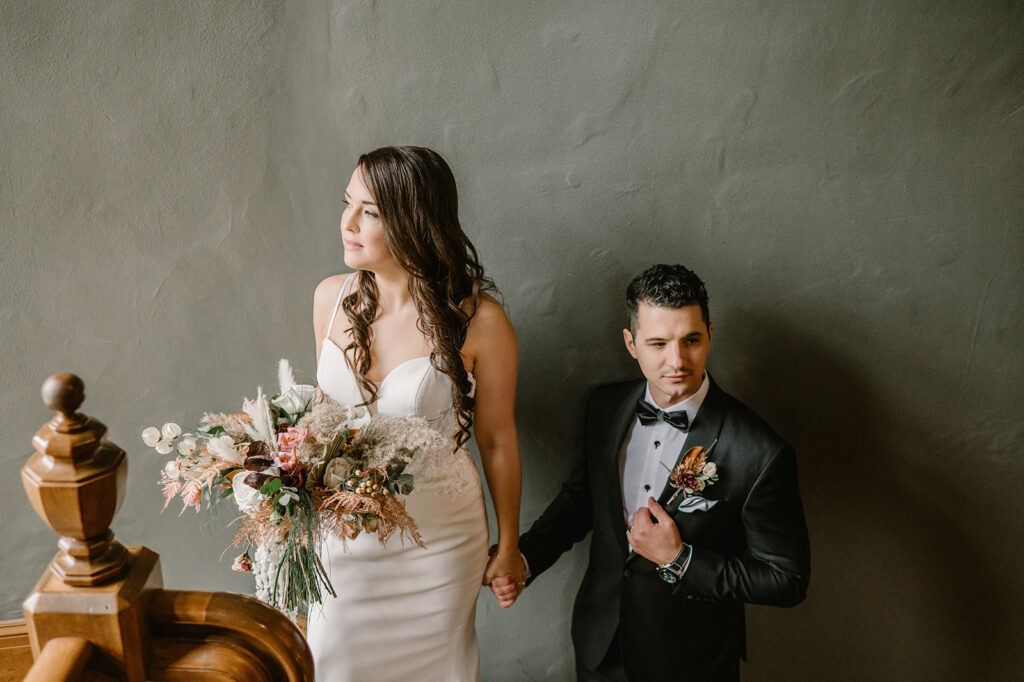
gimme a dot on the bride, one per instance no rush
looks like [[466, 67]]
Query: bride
[[413, 332]]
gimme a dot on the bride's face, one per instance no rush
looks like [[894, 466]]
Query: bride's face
[[362, 230]]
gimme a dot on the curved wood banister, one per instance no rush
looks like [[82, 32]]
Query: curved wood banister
[[220, 620], [63, 658], [100, 612]]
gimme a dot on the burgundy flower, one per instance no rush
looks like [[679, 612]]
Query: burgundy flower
[[684, 479]]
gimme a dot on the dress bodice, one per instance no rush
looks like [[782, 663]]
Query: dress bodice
[[415, 388]]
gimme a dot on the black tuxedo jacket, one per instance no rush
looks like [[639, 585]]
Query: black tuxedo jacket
[[751, 547]]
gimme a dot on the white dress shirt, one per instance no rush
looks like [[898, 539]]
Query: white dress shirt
[[650, 452]]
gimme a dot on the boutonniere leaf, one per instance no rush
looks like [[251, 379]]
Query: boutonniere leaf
[[693, 473]]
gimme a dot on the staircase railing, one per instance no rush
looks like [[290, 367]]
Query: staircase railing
[[99, 611]]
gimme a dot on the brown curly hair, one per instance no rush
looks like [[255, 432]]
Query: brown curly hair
[[414, 190]]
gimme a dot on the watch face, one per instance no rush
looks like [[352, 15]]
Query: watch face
[[667, 575]]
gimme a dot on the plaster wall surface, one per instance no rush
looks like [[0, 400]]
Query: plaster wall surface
[[847, 177]]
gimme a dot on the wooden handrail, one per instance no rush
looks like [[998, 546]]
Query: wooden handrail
[[100, 610], [226, 617], [63, 658]]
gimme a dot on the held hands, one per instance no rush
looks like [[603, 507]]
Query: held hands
[[655, 539], [506, 576]]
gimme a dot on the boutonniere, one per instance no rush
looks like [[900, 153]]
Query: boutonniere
[[693, 473]]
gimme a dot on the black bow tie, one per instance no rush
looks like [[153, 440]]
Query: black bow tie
[[649, 414]]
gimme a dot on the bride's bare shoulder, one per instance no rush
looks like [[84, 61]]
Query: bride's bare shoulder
[[486, 307], [325, 296], [488, 322], [327, 290]]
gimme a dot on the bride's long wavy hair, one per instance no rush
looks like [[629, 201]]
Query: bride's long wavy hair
[[414, 190]]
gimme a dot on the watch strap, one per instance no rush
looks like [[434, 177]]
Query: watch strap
[[676, 565]]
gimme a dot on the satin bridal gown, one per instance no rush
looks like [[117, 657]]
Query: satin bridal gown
[[402, 612]]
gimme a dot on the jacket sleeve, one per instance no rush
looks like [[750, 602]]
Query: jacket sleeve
[[776, 568], [570, 516]]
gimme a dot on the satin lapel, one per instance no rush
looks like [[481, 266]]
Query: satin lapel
[[706, 427], [622, 420]]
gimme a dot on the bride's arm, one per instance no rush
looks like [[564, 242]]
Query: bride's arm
[[492, 356]]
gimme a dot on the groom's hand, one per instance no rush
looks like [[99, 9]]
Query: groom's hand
[[653, 534]]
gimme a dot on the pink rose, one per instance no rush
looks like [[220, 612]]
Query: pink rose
[[285, 460], [243, 563], [291, 439]]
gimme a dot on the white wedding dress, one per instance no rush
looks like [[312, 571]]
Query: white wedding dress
[[402, 612]]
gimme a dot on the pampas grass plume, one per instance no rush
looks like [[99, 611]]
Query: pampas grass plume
[[285, 376]]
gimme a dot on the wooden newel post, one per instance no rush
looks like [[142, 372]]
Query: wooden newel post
[[94, 586], [76, 482]]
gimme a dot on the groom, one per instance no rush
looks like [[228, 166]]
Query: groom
[[663, 594]]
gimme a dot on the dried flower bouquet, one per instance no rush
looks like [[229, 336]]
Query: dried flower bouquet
[[297, 466]]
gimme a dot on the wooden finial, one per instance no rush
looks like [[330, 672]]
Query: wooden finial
[[76, 482], [64, 393]]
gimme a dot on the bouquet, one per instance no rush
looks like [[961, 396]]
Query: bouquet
[[298, 466]]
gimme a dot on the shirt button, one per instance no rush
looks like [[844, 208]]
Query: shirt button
[[657, 444], [627, 573], [647, 488]]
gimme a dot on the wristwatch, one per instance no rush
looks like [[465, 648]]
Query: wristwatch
[[673, 570]]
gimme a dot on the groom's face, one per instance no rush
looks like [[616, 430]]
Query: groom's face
[[671, 345]]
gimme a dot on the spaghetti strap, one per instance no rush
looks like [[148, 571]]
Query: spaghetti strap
[[337, 303]]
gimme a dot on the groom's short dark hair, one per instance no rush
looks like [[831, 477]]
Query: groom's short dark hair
[[666, 286]]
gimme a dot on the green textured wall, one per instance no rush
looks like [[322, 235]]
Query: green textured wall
[[848, 178]]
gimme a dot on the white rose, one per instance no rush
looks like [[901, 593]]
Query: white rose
[[338, 471], [172, 469], [296, 399], [151, 436], [187, 446], [246, 497], [710, 469], [170, 431], [164, 447], [224, 447]]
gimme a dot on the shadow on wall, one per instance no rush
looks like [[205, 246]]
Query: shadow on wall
[[903, 584]]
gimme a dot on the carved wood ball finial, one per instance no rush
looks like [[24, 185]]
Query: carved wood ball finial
[[64, 393]]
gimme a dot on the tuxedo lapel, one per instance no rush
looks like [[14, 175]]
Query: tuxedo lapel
[[622, 419], [706, 427]]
